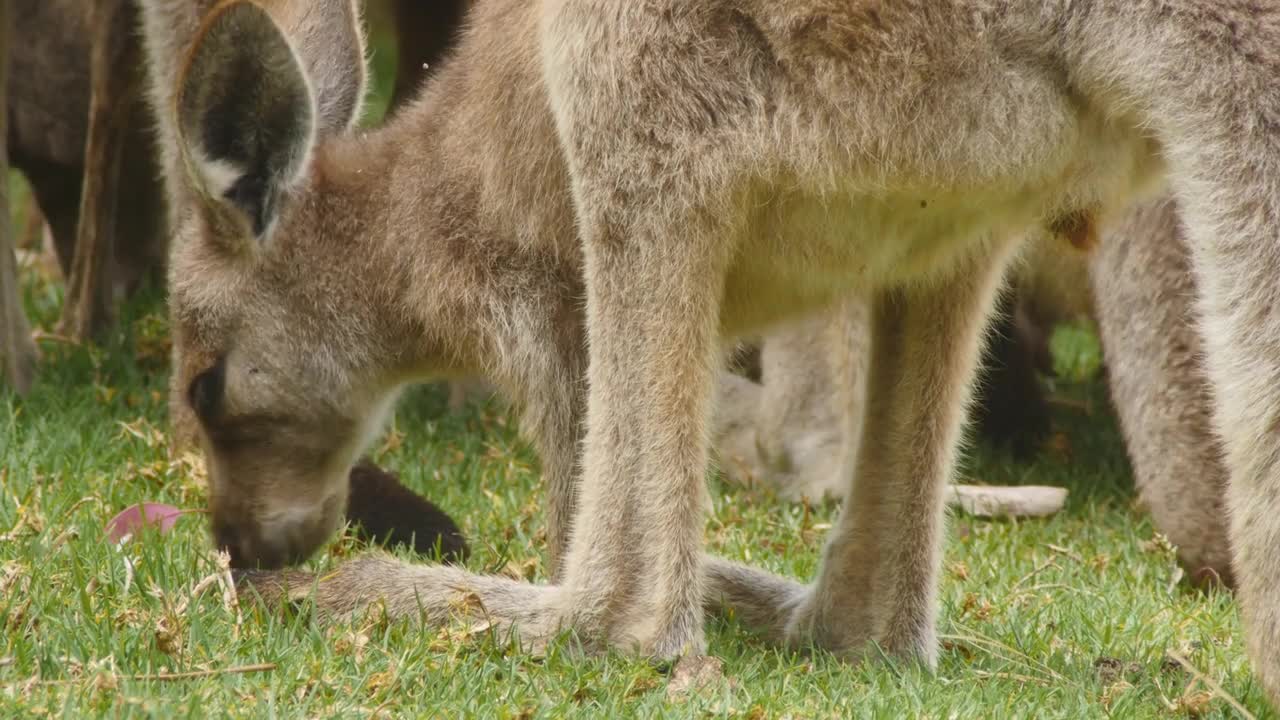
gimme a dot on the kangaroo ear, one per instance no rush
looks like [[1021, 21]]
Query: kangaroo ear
[[327, 36], [246, 113]]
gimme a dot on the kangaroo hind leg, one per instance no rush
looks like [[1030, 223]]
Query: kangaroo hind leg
[[878, 580]]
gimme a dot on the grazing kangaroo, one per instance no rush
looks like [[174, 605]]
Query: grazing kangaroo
[[695, 170]]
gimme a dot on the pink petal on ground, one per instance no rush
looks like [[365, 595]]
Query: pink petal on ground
[[135, 517]]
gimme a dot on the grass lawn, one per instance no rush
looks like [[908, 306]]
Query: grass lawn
[[1077, 616], [1074, 616]]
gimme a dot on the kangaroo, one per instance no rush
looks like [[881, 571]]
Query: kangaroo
[[1144, 289], [18, 352], [78, 132], [75, 122], [797, 429], [693, 171], [49, 112]]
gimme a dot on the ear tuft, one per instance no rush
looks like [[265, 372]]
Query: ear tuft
[[246, 112]]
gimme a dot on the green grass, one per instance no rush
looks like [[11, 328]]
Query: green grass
[[1069, 617]]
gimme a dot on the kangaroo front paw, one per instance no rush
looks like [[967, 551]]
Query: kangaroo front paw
[[851, 632], [680, 640], [655, 635], [811, 623], [913, 642]]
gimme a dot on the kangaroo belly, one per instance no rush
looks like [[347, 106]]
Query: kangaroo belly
[[801, 250]]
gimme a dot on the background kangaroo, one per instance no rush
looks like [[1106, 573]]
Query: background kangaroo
[[703, 169], [788, 429], [799, 430], [80, 132], [794, 420], [1144, 288]]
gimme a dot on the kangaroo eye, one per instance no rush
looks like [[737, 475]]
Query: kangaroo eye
[[205, 393]]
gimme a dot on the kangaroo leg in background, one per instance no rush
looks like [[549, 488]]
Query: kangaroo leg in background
[[114, 62], [878, 580], [17, 351], [796, 431], [1145, 293]]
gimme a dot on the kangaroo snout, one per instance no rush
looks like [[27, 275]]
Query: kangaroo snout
[[278, 539]]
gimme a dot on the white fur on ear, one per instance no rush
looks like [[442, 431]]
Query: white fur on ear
[[246, 113], [216, 176]]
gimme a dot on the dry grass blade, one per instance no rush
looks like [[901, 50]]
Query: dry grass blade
[[175, 677], [199, 589], [1059, 586], [230, 600], [1013, 655], [1018, 677], [1038, 569], [79, 504], [15, 531], [66, 536], [1065, 551], [1212, 685], [1071, 404], [41, 336]]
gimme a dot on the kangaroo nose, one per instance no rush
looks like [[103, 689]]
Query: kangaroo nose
[[272, 540], [247, 550]]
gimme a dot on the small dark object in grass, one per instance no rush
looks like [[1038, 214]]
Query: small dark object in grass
[[382, 510]]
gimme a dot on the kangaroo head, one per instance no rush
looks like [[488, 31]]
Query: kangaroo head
[[270, 356]]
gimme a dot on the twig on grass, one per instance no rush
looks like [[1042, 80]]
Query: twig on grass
[[1047, 564], [1065, 551], [1212, 684]]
